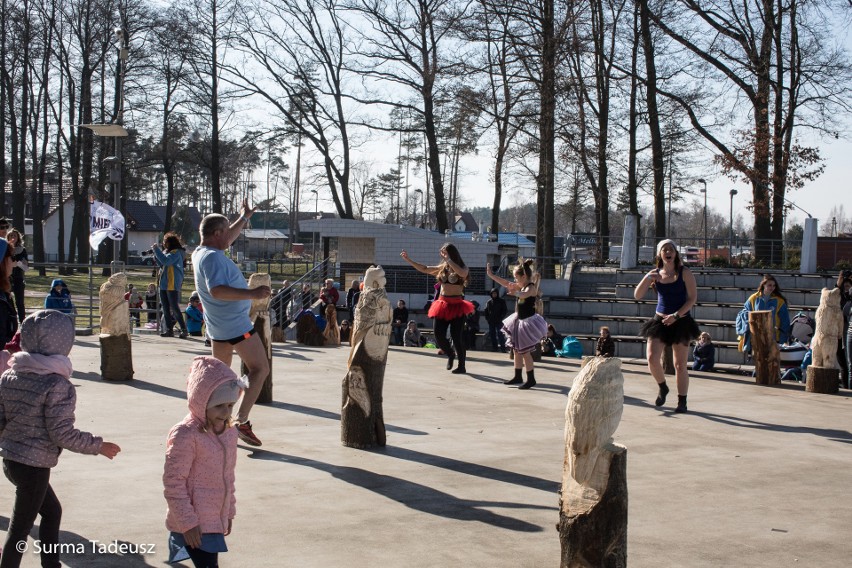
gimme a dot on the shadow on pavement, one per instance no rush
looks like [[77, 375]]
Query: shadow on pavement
[[320, 413], [414, 495]]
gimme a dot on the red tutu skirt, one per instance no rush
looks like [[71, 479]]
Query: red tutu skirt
[[449, 308]]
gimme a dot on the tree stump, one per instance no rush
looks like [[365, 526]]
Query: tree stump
[[362, 423], [259, 314], [765, 354], [824, 380], [279, 335], [593, 499], [116, 357]]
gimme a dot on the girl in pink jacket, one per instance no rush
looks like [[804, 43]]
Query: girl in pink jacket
[[201, 455]]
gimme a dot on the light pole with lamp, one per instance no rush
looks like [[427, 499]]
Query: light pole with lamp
[[420, 191], [733, 192], [704, 191], [313, 233]]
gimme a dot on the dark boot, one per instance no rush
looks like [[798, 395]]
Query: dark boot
[[530, 381], [661, 397], [681, 403], [516, 380], [451, 358]]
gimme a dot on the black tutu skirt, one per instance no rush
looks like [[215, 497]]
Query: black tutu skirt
[[682, 331]]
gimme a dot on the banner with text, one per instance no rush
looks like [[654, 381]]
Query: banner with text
[[104, 222]]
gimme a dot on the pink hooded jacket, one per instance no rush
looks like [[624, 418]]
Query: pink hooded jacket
[[199, 471]]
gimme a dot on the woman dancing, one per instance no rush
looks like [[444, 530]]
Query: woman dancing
[[672, 324], [525, 328], [450, 307]]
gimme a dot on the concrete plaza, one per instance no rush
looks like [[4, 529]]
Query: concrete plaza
[[751, 476]]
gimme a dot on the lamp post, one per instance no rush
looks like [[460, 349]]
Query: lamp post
[[420, 191], [314, 233], [733, 192], [834, 226], [704, 191]]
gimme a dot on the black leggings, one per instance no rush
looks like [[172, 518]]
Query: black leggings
[[33, 496], [18, 291], [203, 559], [456, 326]]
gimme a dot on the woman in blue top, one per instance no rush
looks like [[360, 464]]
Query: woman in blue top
[[672, 323], [170, 260], [769, 297]]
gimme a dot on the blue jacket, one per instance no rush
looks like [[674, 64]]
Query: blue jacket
[[171, 262], [59, 300], [194, 319], [779, 310]]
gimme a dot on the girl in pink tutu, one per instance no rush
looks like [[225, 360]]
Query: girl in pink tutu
[[450, 307], [525, 328]]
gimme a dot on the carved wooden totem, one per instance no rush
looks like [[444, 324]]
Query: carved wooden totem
[[116, 354]]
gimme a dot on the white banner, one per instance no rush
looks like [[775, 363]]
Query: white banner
[[104, 221]]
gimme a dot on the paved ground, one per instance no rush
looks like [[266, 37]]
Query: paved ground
[[752, 476]]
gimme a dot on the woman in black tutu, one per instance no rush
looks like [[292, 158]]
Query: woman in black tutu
[[672, 324], [450, 307], [525, 328]]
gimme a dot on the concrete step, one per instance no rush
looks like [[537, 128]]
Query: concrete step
[[556, 307], [634, 348], [747, 279], [569, 325], [731, 295]]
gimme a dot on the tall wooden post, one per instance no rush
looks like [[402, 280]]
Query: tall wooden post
[[823, 375], [764, 349], [593, 500], [116, 354], [259, 314]]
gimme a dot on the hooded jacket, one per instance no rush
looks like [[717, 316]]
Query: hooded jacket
[[199, 471], [59, 300]]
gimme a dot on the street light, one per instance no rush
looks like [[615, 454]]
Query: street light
[[420, 191], [733, 192], [314, 233], [704, 191]]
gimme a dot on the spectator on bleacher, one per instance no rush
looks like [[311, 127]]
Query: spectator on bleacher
[[59, 298], [704, 354], [329, 296], [134, 300], [151, 302], [672, 323], [8, 315], [412, 335], [194, 315], [605, 346], [551, 342], [450, 307], [495, 313], [352, 295], [307, 296], [769, 297], [280, 305], [399, 321]]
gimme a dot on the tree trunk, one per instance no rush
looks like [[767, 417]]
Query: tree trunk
[[767, 359], [116, 358]]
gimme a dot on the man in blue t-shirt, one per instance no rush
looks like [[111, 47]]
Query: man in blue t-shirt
[[227, 300]]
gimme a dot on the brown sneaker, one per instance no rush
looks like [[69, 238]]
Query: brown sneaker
[[246, 434]]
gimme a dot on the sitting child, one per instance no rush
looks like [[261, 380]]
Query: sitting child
[[59, 298], [412, 335], [605, 346], [38, 401], [134, 301], [704, 354]]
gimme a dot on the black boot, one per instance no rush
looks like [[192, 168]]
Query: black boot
[[451, 358], [681, 403], [516, 380], [661, 398], [530, 381], [460, 370]]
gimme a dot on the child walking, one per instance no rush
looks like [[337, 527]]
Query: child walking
[[525, 328], [37, 403], [201, 456]]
